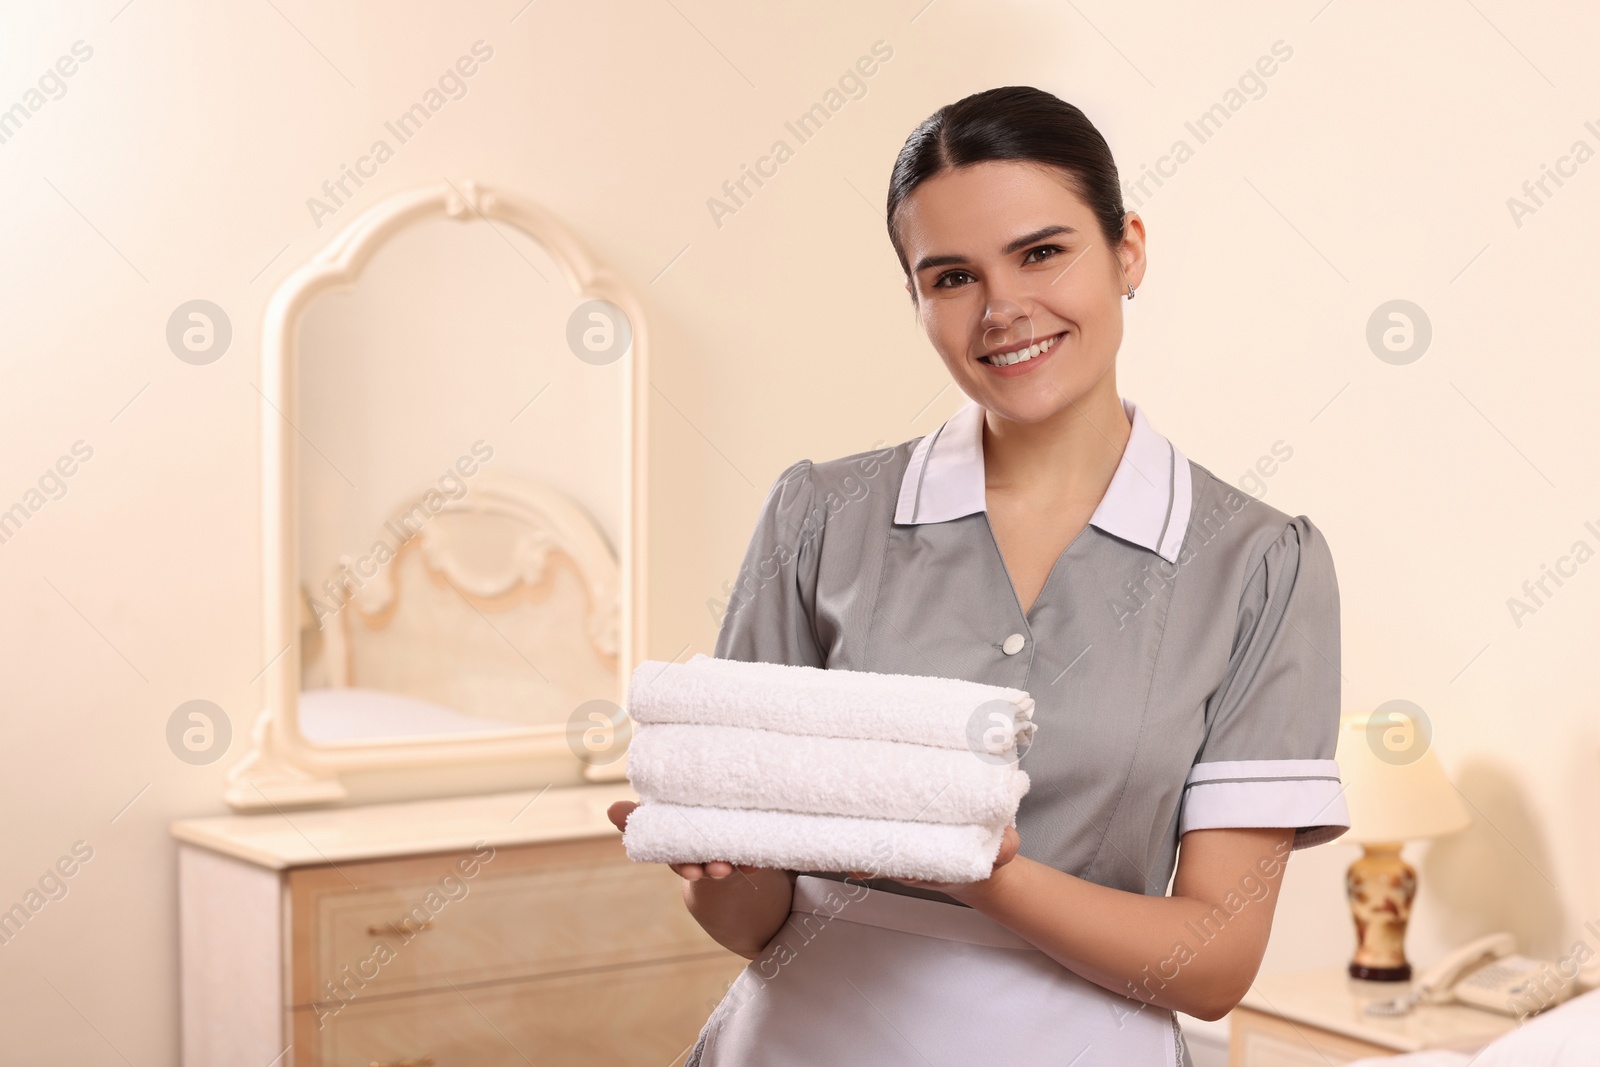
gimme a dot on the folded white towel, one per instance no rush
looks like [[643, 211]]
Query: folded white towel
[[739, 767], [942, 712], [888, 848]]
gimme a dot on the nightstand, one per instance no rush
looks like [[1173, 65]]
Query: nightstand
[[1317, 1018]]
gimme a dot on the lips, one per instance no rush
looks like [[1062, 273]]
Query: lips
[[1008, 357]]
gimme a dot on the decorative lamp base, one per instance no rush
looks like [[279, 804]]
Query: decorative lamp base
[[1380, 886]]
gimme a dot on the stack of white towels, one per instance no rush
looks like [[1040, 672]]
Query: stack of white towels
[[799, 768]]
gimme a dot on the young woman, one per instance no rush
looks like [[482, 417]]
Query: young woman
[[1180, 641]]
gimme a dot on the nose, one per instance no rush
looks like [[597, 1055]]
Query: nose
[[1005, 321]]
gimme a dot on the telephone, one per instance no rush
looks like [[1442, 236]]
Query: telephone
[[1486, 974]]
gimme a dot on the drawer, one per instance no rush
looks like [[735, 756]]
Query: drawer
[[646, 1015], [361, 930]]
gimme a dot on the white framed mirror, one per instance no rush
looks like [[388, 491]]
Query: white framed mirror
[[453, 486]]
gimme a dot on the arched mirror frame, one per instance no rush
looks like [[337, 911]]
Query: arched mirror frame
[[281, 768]]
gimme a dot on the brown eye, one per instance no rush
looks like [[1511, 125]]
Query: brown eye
[[1042, 253], [948, 280]]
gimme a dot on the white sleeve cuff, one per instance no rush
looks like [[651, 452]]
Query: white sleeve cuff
[[1303, 793]]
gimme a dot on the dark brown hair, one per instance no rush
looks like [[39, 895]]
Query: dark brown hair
[[1016, 122]]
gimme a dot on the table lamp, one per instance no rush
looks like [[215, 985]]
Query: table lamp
[[1396, 791]]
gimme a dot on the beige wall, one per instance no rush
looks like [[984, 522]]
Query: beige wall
[[1376, 165]]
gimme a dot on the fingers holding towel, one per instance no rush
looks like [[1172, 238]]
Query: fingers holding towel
[[888, 848]]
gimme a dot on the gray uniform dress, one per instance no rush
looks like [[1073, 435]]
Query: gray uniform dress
[[1183, 654]]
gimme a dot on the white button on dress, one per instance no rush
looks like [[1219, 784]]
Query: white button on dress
[[1013, 644]]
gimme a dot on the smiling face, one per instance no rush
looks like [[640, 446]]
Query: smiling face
[[1017, 287]]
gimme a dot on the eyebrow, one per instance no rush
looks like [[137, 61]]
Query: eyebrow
[[1015, 246]]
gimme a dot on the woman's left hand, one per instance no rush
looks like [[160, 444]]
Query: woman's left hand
[[1010, 842]]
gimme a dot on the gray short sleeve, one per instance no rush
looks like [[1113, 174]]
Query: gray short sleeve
[[1272, 724], [770, 609]]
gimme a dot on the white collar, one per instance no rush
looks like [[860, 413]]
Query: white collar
[[1147, 502]]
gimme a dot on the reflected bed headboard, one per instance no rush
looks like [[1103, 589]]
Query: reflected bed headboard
[[501, 604]]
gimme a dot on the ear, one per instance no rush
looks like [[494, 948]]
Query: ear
[[1132, 249]]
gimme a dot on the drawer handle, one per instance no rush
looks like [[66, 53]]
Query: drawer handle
[[403, 928], [425, 1061]]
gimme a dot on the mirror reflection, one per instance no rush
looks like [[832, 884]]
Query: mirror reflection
[[462, 485]]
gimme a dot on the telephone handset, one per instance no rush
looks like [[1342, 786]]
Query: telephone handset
[[1485, 974]]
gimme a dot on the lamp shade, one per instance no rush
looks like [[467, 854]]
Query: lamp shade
[[1395, 787]]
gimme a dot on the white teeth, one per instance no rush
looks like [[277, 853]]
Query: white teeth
[[1023, 355]]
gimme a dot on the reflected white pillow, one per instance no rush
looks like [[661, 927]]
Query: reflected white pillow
[[351, 714]]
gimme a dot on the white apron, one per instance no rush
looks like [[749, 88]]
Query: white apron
[[862, 976]]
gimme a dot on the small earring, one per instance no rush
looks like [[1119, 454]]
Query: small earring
[[1130, 292]]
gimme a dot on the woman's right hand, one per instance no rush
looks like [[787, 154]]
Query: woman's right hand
[[741, 914], [689, 872]]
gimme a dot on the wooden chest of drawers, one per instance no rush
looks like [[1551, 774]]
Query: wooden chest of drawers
[[454, 932]]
